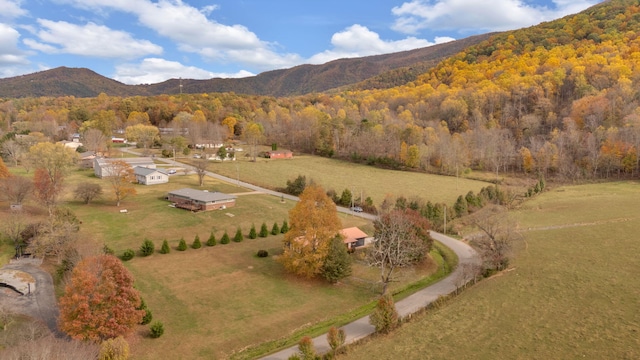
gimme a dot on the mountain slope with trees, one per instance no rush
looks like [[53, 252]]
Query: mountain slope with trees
[[303, 79]]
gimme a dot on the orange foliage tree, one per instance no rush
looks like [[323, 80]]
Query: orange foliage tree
[[314, 223], [100, 301], [121, 178], [4, 171]]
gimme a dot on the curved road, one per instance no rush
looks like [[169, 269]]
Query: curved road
[[361, 328]]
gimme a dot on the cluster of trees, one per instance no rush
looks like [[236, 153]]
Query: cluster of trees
[[558, 99], [314, 247]]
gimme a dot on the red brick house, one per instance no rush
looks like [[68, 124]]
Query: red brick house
[[279, 154]]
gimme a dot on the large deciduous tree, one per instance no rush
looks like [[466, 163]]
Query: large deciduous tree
[[401, 239], [142, 134], [121, 179], [100, 301], [314, 223], [52, 162]]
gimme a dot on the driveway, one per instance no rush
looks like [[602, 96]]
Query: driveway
[[41, 303]]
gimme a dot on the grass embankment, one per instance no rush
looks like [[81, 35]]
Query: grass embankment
[[573, 291]]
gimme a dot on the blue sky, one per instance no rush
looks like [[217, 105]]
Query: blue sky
[[149, 41]]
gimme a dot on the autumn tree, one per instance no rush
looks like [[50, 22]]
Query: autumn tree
[[121, 179], [313, 223], [87, 192], [385, 316], [253, 134], [143, 134], [401, 239], [4, 171], [52, 161], [100, 302]]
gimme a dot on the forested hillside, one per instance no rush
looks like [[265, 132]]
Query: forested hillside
[[556, 100], [299, 80]]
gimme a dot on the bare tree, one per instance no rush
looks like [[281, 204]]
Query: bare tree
[[13, 150], [498, 232], [401, 239], [95, 140], [201, 169], [15, 189], [87, 192]]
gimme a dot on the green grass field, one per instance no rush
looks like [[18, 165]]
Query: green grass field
[[217, 301], [339, 175], [573, 291]]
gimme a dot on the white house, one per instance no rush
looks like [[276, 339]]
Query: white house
[[148, 176], [102, 166]]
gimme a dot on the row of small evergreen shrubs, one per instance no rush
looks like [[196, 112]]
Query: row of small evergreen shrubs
[[148, 248]]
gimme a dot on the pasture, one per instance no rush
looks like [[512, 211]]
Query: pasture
[[339, 175], [572, 291], [216, 301]]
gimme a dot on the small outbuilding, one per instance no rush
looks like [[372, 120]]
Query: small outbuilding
[[353, 237], [146, 176], [201, 200], [279, 154]]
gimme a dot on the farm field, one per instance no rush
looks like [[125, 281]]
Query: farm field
[[573, 291], [339, 175], [216, 301]]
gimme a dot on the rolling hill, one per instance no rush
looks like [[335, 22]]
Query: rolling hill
[[303, 79]]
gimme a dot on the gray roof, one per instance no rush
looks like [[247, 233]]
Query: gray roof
[[143, 171], [134, 161], [202, 195]]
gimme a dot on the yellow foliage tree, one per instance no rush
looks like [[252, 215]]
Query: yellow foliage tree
[[314, 223]]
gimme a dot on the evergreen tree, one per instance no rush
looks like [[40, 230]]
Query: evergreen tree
[[182, 245], [337, 264], [212, 240], [225, 238], [196, 243], [461, 207], [165, 249], [264, 232], [238, 237], [285, 227], [147, 248], [252, 233], [275, 230]]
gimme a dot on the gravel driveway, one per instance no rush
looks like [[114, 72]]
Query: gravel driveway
[[40, 304]]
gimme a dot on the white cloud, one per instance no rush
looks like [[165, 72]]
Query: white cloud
[[11, 9], [89, 40], [155, 70], [358, 41], [194, 32], [473, 15], [9, 52]]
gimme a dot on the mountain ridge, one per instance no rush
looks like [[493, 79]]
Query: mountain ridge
[[298, 80]]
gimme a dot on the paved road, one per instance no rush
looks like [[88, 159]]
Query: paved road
[[40, 304], [361, 328]]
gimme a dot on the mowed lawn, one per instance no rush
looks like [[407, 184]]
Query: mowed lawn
[[216, 301], [573, 291], [339, 175]]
